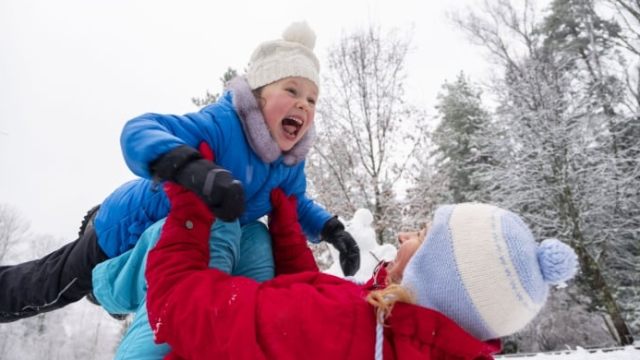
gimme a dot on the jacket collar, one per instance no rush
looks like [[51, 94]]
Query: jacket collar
[[379, 278], [256, 130], [438, 331]]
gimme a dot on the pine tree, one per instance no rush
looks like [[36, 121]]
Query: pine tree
[[210, 98], [459, 141]]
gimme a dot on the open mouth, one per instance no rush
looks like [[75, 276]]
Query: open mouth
[[292, 126]]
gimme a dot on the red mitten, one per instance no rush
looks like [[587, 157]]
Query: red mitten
[[290, 250], [283, 219], [185, 204]]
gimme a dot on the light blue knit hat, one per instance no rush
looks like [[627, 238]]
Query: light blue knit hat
[[481, 266]]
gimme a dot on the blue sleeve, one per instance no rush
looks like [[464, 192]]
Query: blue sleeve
[[311, 216], [145, 138], [127, 212]]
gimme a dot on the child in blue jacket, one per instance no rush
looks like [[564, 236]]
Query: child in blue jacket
[[259, 133]]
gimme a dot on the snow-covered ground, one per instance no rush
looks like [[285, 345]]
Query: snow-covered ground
[[626, 353]]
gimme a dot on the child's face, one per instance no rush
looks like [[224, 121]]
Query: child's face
[[289, 108], [409, 244]]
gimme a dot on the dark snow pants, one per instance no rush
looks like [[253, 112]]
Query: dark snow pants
[[52, 282]]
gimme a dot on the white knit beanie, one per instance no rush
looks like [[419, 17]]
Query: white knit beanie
[[290, 56], [481, 266]]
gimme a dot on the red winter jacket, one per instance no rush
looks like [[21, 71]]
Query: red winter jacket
[[204, 313]]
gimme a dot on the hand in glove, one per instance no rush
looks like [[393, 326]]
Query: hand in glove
[[283, 219], [333, 232], [290, 251], [185, 205], [214, 185]]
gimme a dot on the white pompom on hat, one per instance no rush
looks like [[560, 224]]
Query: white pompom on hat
[[290, 56], [481, 266]]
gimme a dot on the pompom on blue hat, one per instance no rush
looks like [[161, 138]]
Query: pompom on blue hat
[[481, 266]]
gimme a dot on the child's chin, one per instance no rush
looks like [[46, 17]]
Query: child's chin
[[286, 147]]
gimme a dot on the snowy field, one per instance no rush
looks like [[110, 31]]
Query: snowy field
[[627, 353]]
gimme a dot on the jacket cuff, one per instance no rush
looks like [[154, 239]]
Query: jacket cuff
[[331, 226], [168, 165]]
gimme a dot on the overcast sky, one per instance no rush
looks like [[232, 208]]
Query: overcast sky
[[72, 72]]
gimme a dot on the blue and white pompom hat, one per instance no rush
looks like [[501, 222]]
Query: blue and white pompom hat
[[480, 266]]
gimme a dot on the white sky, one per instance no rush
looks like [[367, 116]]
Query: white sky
[[72, 72]]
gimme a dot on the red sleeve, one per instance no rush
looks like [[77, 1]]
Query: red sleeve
[[202, 312], [183, 291], [292, 258]]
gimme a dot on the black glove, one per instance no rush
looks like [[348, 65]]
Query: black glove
[[333, 232], [214, 185]]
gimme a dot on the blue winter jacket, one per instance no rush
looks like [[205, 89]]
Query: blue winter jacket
[[235, 130]]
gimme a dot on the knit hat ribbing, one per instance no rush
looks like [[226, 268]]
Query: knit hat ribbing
[[480, 266], [290, 56]]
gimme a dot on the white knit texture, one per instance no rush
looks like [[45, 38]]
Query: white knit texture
[[290, 56], [486, 269]]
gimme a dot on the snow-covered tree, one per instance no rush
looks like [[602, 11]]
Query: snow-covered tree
[[12, 230], [559, 160], [574, 28], [210, 98], [366, 131], [54, 334], [555, 326], [628, 41], [459, 141], [450, 170]]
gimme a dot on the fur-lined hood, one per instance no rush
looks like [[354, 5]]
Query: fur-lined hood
[[256, 130]]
